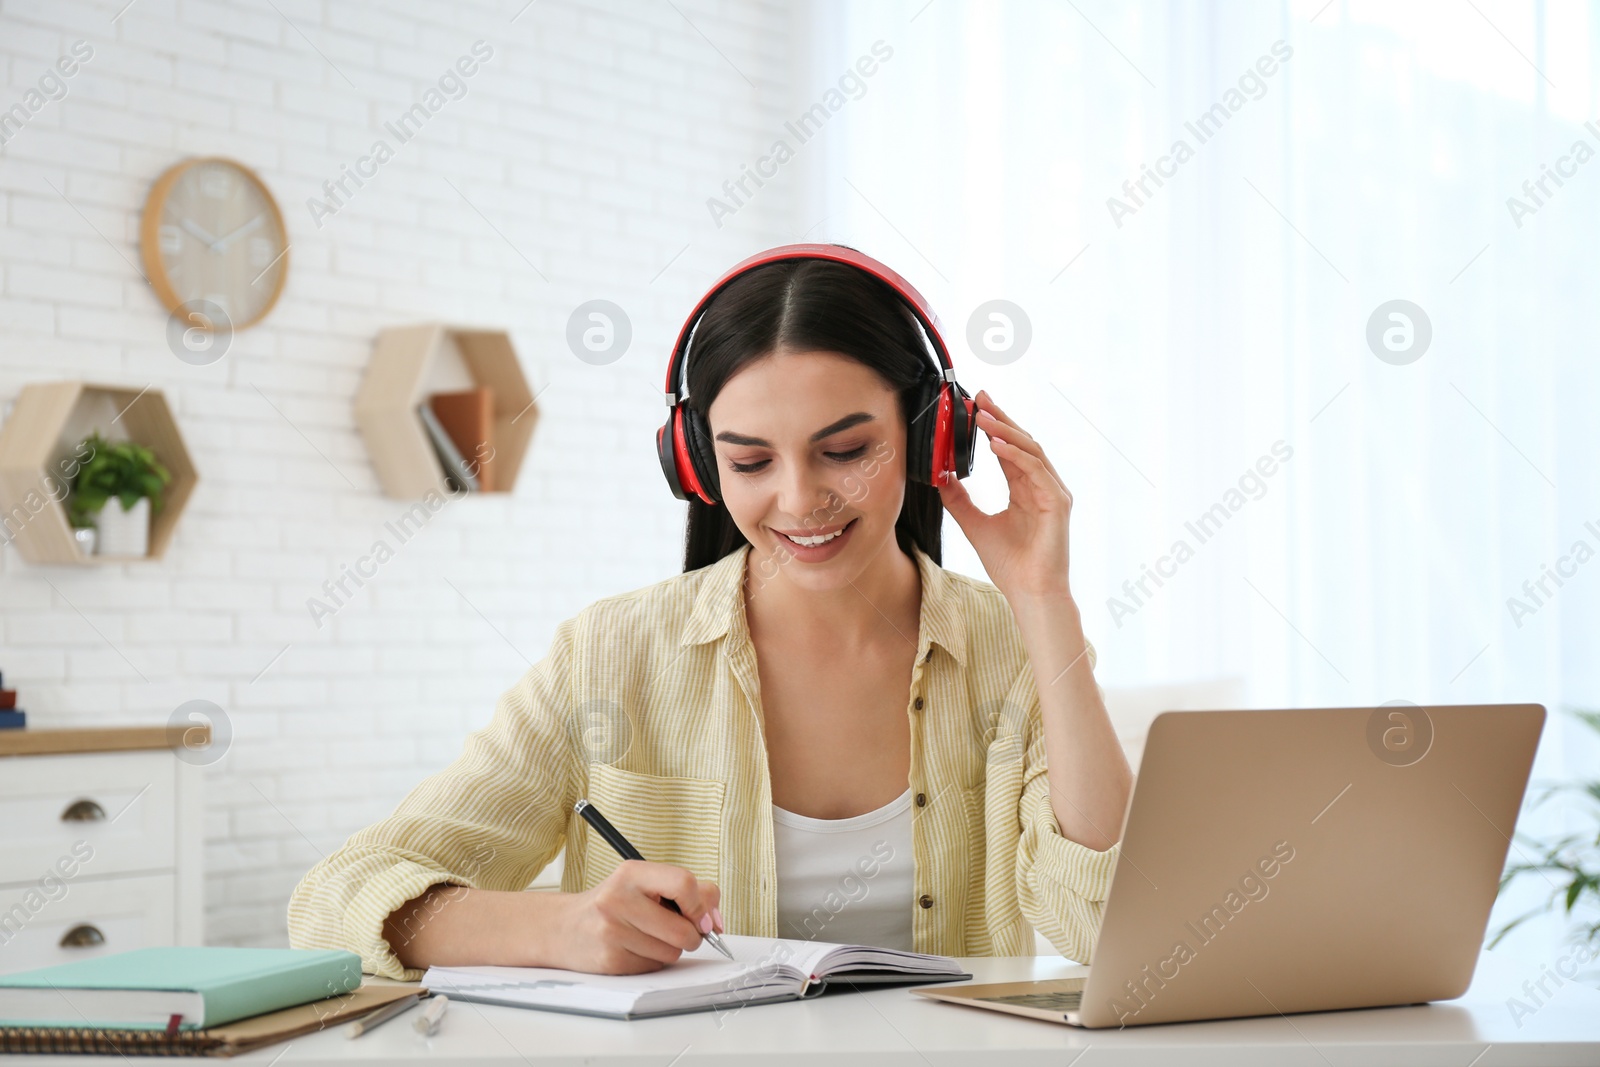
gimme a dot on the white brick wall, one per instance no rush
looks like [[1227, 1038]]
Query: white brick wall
[[590, 140]]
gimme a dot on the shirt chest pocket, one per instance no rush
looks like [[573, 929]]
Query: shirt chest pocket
[[669, 820]]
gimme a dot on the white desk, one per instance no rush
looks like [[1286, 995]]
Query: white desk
[[889, 1027]]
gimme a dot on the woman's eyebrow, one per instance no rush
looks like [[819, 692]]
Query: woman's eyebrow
[[827, 431]]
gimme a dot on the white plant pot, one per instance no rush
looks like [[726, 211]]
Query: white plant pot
[[123, 533], [85, 537]]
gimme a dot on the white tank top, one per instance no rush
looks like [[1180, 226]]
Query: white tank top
[[846, 880]]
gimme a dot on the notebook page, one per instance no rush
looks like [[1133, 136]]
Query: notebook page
[[820, 958], [703, 976], [769, 954], [848, 957]]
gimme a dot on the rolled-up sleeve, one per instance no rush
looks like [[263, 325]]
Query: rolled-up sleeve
[[492, 819], [1061, 885]]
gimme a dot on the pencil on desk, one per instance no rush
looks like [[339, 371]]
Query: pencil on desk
[[428, 1021], [381, 1016]]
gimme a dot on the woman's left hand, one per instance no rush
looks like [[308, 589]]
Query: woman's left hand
[[1024, 547]]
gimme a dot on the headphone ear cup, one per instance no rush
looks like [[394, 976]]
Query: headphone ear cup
[[668, 457], [701, 452], [964, 428], [919, 435]]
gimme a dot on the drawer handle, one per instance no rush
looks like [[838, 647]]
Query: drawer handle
[[84, 935], [83, 811]]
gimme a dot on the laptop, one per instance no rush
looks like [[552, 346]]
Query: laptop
[[1283, 861]]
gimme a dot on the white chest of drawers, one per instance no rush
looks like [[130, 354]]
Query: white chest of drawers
[[100, 844]]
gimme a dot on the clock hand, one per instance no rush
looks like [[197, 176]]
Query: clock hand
[[223, 242], [196, 229]]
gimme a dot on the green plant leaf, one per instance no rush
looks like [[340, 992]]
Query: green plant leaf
[[126, 470], [1569, 862], [1513, 924]]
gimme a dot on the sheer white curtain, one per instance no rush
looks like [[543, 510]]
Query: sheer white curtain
[[1340, 156]]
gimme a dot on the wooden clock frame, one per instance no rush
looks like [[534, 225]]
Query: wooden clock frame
[[150, 225]]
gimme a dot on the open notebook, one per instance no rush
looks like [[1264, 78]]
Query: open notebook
[[764, 970]]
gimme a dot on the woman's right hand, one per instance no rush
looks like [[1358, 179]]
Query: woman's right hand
[[621, 927]]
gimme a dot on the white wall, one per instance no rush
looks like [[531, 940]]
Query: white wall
[[587, 147], [1173, 347]]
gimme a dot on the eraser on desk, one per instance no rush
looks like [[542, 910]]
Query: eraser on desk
[[13, 720]]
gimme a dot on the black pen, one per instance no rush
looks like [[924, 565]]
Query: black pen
[[625, 849]]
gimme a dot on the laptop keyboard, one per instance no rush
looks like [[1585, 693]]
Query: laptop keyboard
[[1048, 1001]]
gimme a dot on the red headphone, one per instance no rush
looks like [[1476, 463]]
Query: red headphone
[[939, 439]]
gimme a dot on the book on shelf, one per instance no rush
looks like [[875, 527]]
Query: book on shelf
[[456, 469], [467, 418]]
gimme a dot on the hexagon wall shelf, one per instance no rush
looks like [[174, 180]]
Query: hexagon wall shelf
[[411, 362], [46, 425]]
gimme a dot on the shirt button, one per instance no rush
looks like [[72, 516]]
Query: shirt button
[[922, 800], [925, 900], [917, 704]]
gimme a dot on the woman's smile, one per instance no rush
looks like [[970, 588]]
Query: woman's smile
[[817, 545]]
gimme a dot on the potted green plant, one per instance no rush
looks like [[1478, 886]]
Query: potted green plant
[[125, 472], [1569, 862]]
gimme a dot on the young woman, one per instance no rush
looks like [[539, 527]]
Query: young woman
[[827, 738]]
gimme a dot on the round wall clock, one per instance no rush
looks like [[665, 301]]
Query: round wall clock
[[212, 232]]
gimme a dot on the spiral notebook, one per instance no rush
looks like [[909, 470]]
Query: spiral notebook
[[227, 1040], [764, 970]]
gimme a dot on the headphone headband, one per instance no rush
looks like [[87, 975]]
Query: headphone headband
[[677, 370]]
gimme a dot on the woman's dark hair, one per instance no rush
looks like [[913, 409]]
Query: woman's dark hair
[[807, 305]]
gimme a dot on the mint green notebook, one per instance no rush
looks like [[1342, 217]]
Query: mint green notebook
[[143, 988]]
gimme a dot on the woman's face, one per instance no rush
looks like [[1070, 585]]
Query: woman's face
[[810, 444]]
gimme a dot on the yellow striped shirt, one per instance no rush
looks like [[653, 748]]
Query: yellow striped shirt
[[648, 704]]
